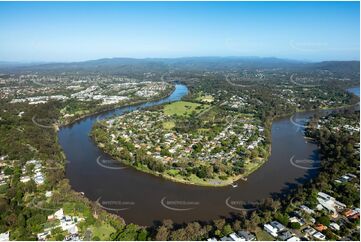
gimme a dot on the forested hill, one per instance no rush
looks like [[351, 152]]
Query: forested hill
[[338, 66], [122, 65]]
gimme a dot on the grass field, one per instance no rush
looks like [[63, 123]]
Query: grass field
[[183, 108], [103, 231], [168, 125], [263, 235]]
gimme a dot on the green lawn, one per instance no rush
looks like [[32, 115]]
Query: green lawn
[[173, 172], [263, 235], [103, 231], [77, 209], [168, 125], [183, 108]]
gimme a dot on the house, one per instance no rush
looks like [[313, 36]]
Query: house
[[59, 214], [3, 157], [329, 203], [247, 235], [320, 227], [5, 236], [319, 236], [307, 209], [296, 220], [39, 179], [309, 231], [25, 179], [235, 237], [284, 235], [72, 237], [352, 213], [293, 238], [270, 229], [335, 226], [354, 216], [225, 238], [312, 220], [278, 226], [72, 229], [212, 239], [42, 236]]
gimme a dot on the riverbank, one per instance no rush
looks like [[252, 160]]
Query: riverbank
[[101, 110], [189, 180]]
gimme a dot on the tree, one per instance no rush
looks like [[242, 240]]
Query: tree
[[325, 220], [162, 233], [282, 218], [179, 234], [219, 223], [253, 221], [227, 229], [195, 231], [142, 235], [168, 223], [236, 225], [294, 225]]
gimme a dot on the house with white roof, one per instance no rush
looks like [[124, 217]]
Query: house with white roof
[[319, 236], [59, 214], [271, 230], [334, 226], [329, 203], [42, 236], [5, 236], [235, 237], [274, 227]]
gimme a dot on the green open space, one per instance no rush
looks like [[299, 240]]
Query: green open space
[[168, 125], [183, 108], [102, 231]]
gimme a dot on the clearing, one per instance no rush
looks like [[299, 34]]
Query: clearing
[[183, 108]]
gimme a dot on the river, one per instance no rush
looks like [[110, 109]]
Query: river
[[145, 199]]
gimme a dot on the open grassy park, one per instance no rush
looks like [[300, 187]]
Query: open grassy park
[[183, 108]]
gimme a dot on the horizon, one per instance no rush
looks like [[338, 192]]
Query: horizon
[[48, 32], [170, 58]]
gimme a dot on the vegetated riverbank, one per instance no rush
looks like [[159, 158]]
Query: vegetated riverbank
[[192, 180]]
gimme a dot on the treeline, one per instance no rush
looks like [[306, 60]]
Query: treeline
[[341, 155]]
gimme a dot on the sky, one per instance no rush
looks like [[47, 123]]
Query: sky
[[76, 31]]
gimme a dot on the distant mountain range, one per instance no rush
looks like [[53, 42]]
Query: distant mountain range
[[121, 65]]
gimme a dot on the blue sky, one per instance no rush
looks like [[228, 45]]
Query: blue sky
[[68, 31]]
